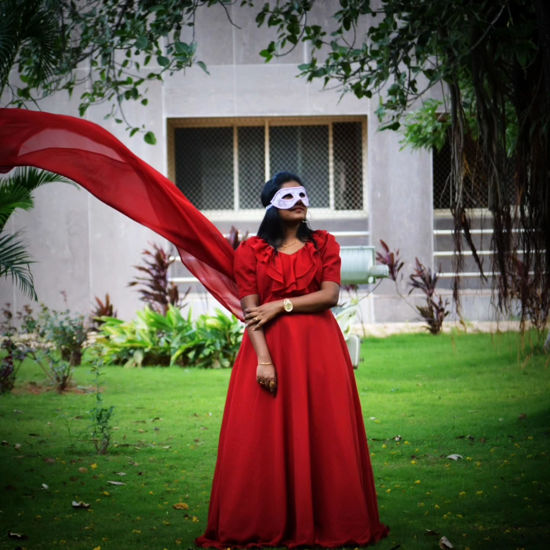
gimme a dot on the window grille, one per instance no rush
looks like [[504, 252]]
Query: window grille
[[304, 151], [205, 171], [476, 193], [222, 165]]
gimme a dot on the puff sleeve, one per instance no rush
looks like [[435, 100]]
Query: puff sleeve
[[245, 270], [330, 254]]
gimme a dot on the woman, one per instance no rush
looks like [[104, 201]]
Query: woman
[[293, 466]]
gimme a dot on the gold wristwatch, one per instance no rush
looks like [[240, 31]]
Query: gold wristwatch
[[288, 306]]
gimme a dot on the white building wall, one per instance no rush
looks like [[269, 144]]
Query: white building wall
[[85, 249]]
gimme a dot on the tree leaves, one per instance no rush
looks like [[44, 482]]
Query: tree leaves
[[47, 42], [150, 138]]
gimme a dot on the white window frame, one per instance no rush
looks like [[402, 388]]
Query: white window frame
[[266, 122]]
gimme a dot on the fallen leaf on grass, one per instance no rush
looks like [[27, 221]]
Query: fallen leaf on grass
[[121, 473], [18, 536], [116, 483], [455, 457], [445, 543], [80, 504], [45, 486], [181, 506], [431, 532]]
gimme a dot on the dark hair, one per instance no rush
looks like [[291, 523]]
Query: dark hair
[[271, 229]]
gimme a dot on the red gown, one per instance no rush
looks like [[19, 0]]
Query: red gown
[[293, 469]]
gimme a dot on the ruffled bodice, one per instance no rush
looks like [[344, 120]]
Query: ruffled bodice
[[260, 269]]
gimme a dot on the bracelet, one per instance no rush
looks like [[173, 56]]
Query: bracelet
[[260, 363]]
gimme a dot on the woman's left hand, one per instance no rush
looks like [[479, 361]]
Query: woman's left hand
[[258, 316]]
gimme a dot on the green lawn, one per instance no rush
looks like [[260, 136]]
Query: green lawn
[[424, 398]]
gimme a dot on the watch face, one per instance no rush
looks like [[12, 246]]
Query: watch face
[[288, 305]]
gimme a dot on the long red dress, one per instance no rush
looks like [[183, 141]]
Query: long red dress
[[293, 469]]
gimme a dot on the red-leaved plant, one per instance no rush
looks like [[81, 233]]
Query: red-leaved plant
[[234, 237], [391, 259], [155, 288], [102, 308], [422, 278], [435, 310]]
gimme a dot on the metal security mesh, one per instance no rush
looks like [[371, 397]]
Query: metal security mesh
[[304, 151], [476, 193], [251, 147], [347, 142], [204, 166]]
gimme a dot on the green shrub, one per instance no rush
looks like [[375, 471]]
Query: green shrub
[[171, 339], [8, 365], [217, 341], [58, 370], [150, 339], [66, 331]]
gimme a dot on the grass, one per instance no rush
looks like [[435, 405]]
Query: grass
[[424, 398]]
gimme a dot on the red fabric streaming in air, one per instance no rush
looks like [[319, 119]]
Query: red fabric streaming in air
[[94, 158]]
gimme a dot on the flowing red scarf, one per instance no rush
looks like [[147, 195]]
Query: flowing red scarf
[[89, 155]]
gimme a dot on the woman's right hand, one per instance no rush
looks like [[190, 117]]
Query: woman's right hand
[[266, 376]]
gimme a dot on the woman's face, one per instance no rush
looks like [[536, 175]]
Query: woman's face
[[298, 212]]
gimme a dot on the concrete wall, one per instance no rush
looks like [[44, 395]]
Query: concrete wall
[[86, 249]]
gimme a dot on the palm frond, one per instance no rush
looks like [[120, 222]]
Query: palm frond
[[15, 263], [31, 178], [16, 189], [12, 197], [9, 41], [30, 26], [41, 34]]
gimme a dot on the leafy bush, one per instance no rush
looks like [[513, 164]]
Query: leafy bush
[[59, 371], [150, 339], [53, 339], [216, 341], [171, 339], [8, 365], [67, 332]]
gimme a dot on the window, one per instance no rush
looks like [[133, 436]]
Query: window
[[221, 165]]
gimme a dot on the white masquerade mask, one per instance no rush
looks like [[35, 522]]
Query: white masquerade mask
[[287, 197]]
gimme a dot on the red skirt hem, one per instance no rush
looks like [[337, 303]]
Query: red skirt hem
[[205, 542]]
